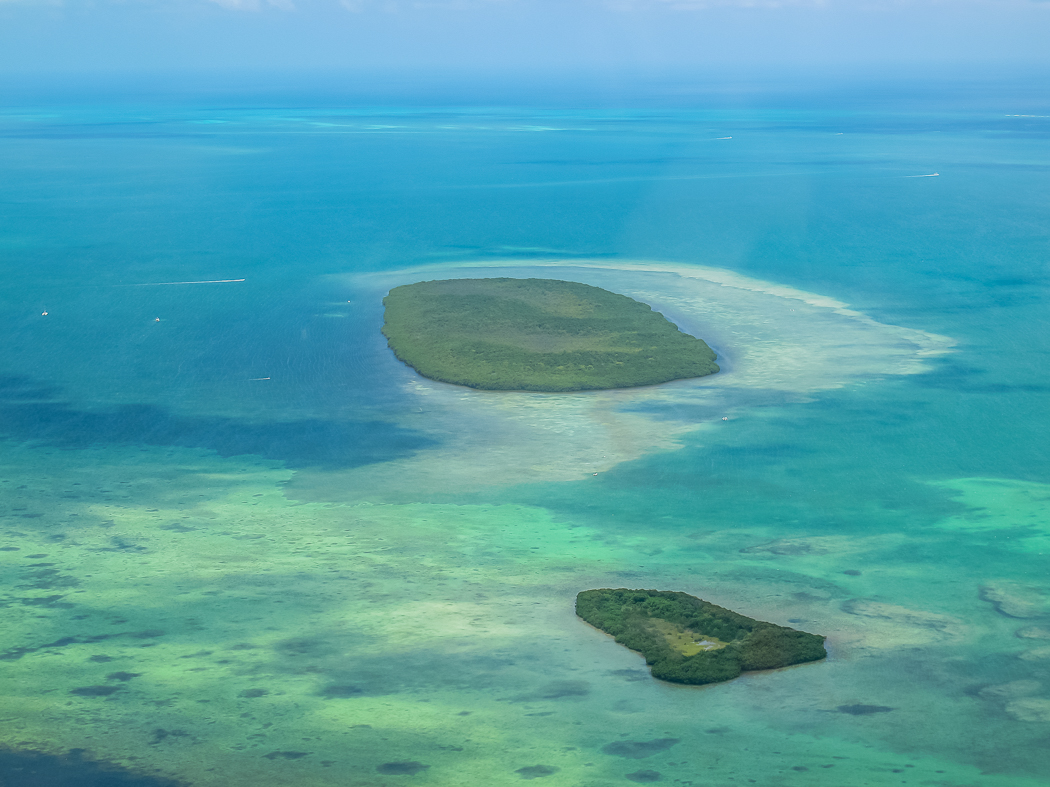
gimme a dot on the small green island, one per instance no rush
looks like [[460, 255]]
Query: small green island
[[687, 640], [537, 335]]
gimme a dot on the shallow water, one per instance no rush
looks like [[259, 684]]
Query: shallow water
[[241, 543]]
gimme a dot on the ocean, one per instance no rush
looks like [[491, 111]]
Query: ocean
[[240, 543]]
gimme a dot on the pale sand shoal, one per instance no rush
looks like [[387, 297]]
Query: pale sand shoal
[[775, 344]]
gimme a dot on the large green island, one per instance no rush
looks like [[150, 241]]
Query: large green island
[[687, 640], [537, 335]]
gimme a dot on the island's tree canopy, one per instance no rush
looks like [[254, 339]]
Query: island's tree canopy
[[656, 623], [537, 335]]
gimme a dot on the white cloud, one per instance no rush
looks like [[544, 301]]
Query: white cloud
[[253, 5], [695, 5], [357, 6]]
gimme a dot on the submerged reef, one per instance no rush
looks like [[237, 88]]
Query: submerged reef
[[687, 640], [537, 335]]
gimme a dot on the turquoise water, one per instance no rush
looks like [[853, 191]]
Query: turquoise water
[[241, 543]]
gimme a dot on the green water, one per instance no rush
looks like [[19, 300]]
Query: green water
[[243, 544]]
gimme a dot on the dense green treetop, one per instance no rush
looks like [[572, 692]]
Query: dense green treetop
[[537, 335], [687, 640]]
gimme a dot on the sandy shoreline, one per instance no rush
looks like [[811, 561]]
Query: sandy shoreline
[[775, 344]]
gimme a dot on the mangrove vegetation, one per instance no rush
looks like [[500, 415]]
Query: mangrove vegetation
[[687, 640], [537, 335]]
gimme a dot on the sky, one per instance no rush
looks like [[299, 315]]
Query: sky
[[525, 36]]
